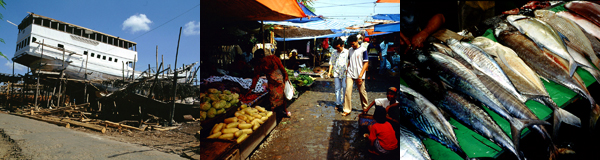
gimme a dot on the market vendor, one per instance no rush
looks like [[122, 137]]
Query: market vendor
[[293, 63], [387, 103], [381, 134], [272, 67], [420, 19]]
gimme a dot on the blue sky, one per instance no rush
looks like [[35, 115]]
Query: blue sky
[[136, 21]]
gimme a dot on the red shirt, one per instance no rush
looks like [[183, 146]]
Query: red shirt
[[386, 135]]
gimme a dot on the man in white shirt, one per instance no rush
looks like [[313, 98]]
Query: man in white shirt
[[337, 69], [357, 69], [383, 57]]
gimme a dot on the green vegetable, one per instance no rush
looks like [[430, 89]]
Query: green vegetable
[[214, 97], [205, 99], [202, 115], [235, 96], [205, 106], [211, 113], [216, 105], [227, 105], [213, 90], [221, 111], [223, 97], [227, 92]]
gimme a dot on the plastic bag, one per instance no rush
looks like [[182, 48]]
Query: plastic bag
[[288, 90]]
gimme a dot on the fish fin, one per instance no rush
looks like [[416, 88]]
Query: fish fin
[[594, 114], [572, 67], [517, 125], [563, 37]]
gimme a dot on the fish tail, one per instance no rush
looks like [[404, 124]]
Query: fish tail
[[517, 126], [594, 114], [561, 115], [572, 67]]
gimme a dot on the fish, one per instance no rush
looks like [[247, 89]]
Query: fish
[[443, 49], [481, 62], [411, 147], [589, 10], [525, 80], [586, 25], [544, 36], [465, 81], [587, 66], [545, 64], [595, 43], [427, 118], [464, 110], [576, 38]]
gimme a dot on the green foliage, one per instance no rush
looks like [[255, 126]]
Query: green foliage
[[3, 4], [308, 4]]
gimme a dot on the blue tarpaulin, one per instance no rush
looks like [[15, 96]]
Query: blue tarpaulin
[[322, 36], [392, 27], [320, 25], [391, 17], [305, 19]]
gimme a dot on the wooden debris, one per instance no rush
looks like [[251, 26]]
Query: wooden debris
[[119, 125], [65, 122]]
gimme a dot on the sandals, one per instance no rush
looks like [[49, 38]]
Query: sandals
[[345, 114]]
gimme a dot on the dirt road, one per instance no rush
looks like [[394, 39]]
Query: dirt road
[[39, 140]]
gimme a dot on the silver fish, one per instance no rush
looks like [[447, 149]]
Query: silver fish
[[576, 38], [464, 80], [411, 147], [481, 62], [544, 36], [545, 64], [426, 117], [525, 80]]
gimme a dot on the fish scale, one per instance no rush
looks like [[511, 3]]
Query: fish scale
[[411, 147]]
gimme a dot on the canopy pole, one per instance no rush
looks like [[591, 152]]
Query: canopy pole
[[284, 48], [262, 33]]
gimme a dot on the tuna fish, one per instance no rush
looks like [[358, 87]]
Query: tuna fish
[[525, 80], [545, 64], [411, 147], [423, 115], [577, 40], [589, 10], [464, 110], [544, 36]]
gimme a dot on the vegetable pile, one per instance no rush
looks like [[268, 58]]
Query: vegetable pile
[[215, 102], [246, 120]]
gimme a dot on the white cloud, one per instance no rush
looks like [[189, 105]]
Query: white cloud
[[18, 67], [138, 22], [191, 28]]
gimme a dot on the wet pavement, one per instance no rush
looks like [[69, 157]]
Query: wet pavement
[[317, 131]]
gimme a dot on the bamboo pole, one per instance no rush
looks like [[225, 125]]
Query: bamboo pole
[[86, 80], [133, 72]]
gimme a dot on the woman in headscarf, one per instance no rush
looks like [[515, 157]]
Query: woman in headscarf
[[272, 67]]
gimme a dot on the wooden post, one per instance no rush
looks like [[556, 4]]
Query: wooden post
[[175, 81], [262, 33], [37, 91], [162, 62], [123, 70], [133, 72], [86, 80]]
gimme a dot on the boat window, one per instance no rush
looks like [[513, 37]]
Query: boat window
[[92, 54], [105, 39], [37, 21], [92, 36], [33, 39], [84, 52], [28, 40], [115, 60], [61, 27], [109, 58], [68, 29], [45, 23], [18, 50], [98, 56], [103, 57], [77, 31], [53, 25], [61, 46]]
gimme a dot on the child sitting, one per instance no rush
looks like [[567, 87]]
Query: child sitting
[[381, 134], [386, 103]]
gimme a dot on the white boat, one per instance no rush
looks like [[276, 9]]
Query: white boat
[[52, 45]]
